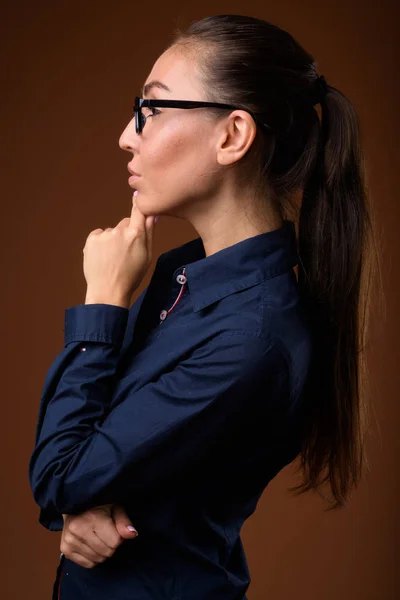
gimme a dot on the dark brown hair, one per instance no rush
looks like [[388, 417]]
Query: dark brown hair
[[250, 63]]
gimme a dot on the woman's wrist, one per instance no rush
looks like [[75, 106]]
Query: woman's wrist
[[107, 298]]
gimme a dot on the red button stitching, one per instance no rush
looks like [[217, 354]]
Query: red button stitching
[[164, 313]]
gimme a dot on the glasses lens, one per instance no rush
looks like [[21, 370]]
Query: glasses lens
[[139, 120]]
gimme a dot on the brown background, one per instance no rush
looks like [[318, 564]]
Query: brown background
[[70, 71]]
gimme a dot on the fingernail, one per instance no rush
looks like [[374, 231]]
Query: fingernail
[[131, 528], [156, 219]]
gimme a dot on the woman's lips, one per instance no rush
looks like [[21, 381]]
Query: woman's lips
[[133, 178]]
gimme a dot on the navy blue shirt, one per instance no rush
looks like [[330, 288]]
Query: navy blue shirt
[[182, 409]]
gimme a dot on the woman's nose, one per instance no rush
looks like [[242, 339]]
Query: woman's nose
[[128, 137]]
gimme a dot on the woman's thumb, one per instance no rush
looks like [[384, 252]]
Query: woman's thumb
[[123, 523]]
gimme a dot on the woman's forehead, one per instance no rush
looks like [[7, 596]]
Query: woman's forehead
[[173, 76]]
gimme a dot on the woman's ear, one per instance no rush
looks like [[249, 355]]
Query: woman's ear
[[237, 137]]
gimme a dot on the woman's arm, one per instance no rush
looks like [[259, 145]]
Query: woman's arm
[[87, 455]]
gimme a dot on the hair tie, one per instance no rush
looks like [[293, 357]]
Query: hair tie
[[319, 90]]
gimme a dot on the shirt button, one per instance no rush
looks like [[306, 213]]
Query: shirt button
[[163, 315], [181, 279]]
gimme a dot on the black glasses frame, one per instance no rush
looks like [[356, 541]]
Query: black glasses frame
[[140, 119]]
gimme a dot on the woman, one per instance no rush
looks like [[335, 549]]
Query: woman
[[174, 414]]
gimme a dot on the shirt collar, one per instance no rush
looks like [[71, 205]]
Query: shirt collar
[[235, 268]]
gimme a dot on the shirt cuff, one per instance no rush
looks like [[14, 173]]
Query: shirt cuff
[[95, 323], [52, 521]]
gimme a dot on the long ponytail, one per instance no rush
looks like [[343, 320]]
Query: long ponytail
[[338, 251]]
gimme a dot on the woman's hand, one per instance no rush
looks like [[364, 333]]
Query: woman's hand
[[116, 260], [94, 535]]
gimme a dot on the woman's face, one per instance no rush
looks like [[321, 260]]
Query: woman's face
[[175, 153]]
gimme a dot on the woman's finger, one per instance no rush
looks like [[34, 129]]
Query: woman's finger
[[150, 222], [70, 546], [103, 540], [137, 218], [123, 523], [81, 560], [107, 533]]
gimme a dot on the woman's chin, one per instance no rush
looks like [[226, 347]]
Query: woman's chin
[[153, 203], [144, 206]]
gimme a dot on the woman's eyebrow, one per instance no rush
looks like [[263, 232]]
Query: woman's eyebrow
[[148, 86]]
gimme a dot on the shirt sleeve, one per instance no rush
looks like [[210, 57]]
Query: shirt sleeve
[[86, 455]]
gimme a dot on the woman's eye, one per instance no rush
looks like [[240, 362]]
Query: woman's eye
[[153, 111]]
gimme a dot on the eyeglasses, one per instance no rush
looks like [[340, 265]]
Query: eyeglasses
[[140, 119]]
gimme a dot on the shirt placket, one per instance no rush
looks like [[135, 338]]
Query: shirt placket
[[182, 280]]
